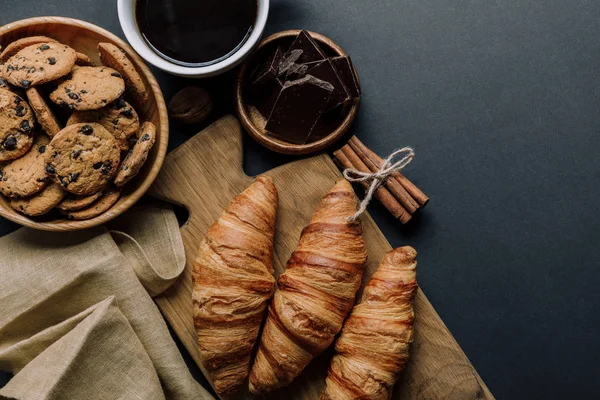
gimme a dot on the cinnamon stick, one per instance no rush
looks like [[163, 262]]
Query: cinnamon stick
[[414, 191], [392, 185], [347, 158]]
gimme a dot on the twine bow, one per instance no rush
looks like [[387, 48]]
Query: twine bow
[[378, 178]]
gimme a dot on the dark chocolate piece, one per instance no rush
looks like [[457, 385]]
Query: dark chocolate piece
[[296, 71], [327, 123], [310, 49], [291, 68], [326, 72], [265, 87], [347, 74], [298, 108], [288, 61], [264, 100], [269, 70]]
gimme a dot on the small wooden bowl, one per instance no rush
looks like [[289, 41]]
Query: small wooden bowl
[[255, 123], [84, 37]]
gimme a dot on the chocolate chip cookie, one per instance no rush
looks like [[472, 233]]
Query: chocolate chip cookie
[[16, 126], [39, 63], [40, 203], [20, 44], [89, 88], [114, 57], [26, 176], [119, 118], [101, 206], [15, 114], [137, 156], [74, 203], [82, 158], [14, 145], [43, 112]]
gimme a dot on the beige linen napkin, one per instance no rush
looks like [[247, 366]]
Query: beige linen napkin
[[76, 321]]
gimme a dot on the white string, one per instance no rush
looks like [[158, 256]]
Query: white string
[[379, 177]]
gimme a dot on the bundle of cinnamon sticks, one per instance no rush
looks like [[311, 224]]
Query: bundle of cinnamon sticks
[[399, 195]]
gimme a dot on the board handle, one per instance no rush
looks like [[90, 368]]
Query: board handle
[[183, 180]]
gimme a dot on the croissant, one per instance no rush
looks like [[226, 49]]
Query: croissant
[[372, 350], [232, 281], [315, 293]]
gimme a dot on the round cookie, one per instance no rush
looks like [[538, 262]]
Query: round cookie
[[43, 112], [74, 203], [14, 145], [89, 88], [84, 61], [26, 176], [20, 44], [16, 126], [137, 156], [15, 114], [40, 203], [99, 207], [114, 57], [39, 64], [119, 118], [82, 158]]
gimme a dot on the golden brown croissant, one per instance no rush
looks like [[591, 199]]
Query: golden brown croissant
[[315, 293], [372, 350], [233, 279]]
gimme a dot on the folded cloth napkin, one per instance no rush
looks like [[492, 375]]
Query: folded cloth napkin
[[76, 317]]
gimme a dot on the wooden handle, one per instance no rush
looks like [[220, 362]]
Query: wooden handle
[[183, 187]]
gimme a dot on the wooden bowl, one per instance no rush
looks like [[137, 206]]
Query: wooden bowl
[[255, 123], [84, 37]]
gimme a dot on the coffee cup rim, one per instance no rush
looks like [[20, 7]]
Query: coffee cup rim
[[126, 12]]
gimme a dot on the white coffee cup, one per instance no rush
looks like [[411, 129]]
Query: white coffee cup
[[126, 10]]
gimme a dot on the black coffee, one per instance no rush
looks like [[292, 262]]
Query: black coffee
[[196, 32]]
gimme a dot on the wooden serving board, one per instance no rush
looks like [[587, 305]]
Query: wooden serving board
[[204, 174]]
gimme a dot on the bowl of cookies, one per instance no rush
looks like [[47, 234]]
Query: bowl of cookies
[[83, 124]]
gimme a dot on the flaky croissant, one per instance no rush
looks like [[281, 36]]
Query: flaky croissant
[[315, 293], [373, 348], [233, 279]]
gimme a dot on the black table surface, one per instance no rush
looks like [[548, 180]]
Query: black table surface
[[499, 99]]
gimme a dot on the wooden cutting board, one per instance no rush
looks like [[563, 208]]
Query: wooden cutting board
[[204, 174]]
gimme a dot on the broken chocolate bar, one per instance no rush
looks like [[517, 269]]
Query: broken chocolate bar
[[265, 85], [288, 61], [310, 49], [326, 72], [327, 123], [269, 70], [347, 74], [296, 71], [290, 87], [264, 100], [298, 107]]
